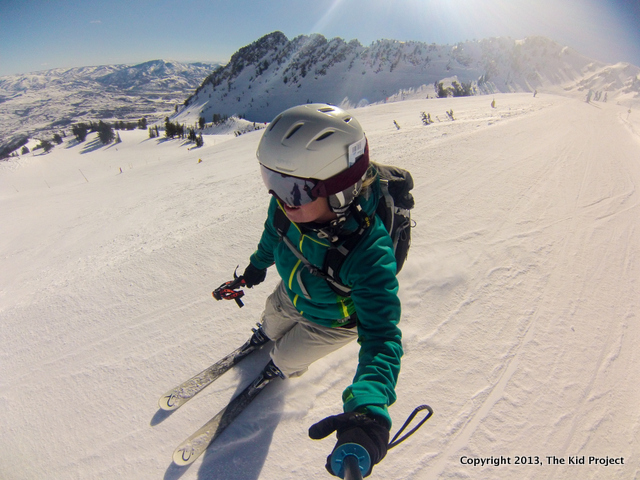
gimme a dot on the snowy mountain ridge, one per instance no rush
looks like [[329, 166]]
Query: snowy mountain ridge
[[274, 72]]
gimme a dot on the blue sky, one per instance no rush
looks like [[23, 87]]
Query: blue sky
[[40, 35]]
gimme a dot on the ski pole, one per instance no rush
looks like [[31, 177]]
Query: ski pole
[[350, 460], [352, 468]]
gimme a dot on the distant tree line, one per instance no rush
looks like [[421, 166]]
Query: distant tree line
[[216, 119], [105, 130], [175, 129], [455, 90], [107, 133]]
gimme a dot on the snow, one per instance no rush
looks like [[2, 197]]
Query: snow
[[520, 300]]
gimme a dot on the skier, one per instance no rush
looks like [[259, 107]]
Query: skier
[[314, 160]]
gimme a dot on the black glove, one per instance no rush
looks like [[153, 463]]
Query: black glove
[[254, 276], [368, 431]]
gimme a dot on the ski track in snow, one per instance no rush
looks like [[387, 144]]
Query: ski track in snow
[[520, 300]]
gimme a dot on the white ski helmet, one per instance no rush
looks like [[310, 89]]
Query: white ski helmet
[[311, 151]]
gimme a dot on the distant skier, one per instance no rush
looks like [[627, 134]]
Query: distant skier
[[314, 160]]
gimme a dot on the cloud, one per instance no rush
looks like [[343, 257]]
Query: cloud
[[95, 21]]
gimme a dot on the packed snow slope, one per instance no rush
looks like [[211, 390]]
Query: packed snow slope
[[520, 301]]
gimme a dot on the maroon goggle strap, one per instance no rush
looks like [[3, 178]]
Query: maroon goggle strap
[[296, 191], [343, 180]]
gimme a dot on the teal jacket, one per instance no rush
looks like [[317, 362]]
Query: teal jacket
[[370, 270]]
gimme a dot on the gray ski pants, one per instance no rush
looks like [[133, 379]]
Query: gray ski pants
[[298, 341]]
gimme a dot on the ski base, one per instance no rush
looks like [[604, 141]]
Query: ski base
[[196, 444]]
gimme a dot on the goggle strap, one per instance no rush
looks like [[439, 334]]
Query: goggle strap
[[343, 180]]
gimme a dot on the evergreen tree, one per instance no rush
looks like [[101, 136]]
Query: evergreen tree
[[105, 132], [80, 131], [441, 91], [46, 145], [169, 128], [464, 90]]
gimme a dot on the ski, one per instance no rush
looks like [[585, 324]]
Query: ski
[[178, 396], [196, 444]]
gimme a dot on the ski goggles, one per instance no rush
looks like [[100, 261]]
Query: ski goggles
[[293, 191], [296, 191]]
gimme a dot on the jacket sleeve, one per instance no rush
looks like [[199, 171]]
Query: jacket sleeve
[[263, 256], [372, 274]]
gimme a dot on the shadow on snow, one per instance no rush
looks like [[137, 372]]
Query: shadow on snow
[[239, 453]]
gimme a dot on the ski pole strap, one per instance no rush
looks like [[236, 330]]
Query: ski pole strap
[[395, 441], [231, 290]]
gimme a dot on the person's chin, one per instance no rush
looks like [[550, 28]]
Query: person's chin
[[295, 214]]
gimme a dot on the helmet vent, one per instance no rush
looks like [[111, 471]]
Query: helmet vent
[[293, 131], [347, 119], [326, 109], [324, 135]]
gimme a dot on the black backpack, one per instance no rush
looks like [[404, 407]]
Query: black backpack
[[393, 208]]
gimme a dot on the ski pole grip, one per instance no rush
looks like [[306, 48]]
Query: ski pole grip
[[350, 461]]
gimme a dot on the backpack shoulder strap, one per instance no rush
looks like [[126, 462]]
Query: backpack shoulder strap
[[389, 203], [336, 255], [334, 258], [280, 221]]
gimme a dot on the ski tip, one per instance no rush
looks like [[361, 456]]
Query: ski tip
[[183, 456], [169, 402]]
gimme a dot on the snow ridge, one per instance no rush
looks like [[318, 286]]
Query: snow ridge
[[274, 72]]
